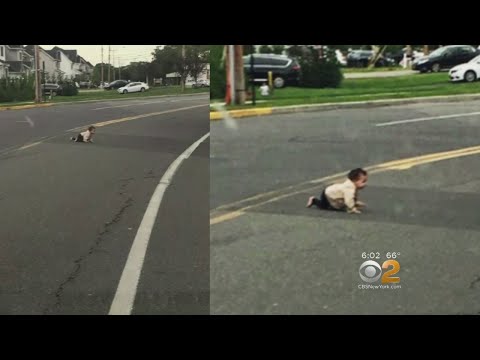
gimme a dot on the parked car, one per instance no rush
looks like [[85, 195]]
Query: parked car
[[86, 85], [115, 84], [133, 87], [468, 72], [53, 89], [201, 84], [361, 58], [285, 71], [445, 57]]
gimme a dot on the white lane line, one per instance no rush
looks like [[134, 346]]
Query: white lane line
[[127, 288], [27, 120], [30, 122], [146, 103], [130, 118], [128, 105], [427, 119]]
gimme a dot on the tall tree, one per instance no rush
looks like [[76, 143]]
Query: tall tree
[[171, 59], [278, 49], [265, 49], [196, 59]]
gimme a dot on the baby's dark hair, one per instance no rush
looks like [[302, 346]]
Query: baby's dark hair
[[355, 174], [90, 128]]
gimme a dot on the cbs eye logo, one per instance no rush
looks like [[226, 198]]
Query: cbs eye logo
[[370, 271]]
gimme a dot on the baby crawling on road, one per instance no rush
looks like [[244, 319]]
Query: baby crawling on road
[[86, 136], [343, 196]]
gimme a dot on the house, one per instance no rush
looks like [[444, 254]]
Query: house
[[15, 61], [71, 64], [3, 62], [49, 64], [66, 64], [174, 78]]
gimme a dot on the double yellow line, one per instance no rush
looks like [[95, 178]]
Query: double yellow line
[[223, 213]]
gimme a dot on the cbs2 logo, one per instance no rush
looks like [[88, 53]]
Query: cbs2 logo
[[370, 271]]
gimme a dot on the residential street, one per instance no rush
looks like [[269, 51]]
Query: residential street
[[272, 255], [71, 211]]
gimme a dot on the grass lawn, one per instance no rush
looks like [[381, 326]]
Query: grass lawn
[[417, 85], [378, 69], [113, 94], [85, 95]]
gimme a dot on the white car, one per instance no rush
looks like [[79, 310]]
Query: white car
[[201, 84], [133, 87], [468, 72]]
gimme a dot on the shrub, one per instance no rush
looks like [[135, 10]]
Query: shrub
[[320, 72], [218, 81], [17, 89]]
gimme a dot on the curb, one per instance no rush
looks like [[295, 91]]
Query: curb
[[21, 107], [214, 116]]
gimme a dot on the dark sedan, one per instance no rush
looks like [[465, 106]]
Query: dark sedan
[[117, 84], [445, 58], [361, 58]]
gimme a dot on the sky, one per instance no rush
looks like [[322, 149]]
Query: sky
[[121, 54]]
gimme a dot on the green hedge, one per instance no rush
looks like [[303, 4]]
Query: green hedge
[[17, 89], [68, 88], [218, 81], [320, 73]]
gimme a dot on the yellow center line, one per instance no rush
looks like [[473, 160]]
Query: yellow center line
[[114, 121], [403, 164]]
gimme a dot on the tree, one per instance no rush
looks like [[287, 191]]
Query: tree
[[378, 51], [320, 73], [196, 59], [296, 51], [248, 49], [170, 60], [181, 59], [278, 49], [217, 68], [97, 73], [265, 49]]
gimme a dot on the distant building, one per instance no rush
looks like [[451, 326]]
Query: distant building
[[174, 78], [14, 61]]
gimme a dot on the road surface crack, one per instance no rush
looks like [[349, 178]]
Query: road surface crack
[[80, 261], [474, 282]]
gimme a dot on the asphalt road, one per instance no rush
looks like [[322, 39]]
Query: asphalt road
[[277, 257], [70, 211]]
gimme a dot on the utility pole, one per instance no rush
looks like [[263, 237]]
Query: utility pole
[[252, 77], [182, 78], [113, 62], [109, 66], [102, 66], [231, 73], [38, 90], [239, 75]]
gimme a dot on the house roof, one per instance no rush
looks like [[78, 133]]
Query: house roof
[[15, 46], [30, 49], [71, 54], [52, 53]]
